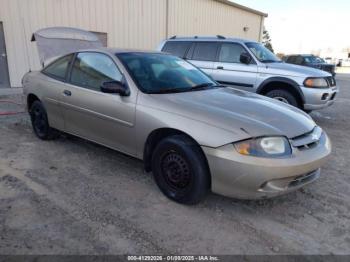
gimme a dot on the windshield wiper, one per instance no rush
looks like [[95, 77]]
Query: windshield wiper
[[169, 91], [271, 61], [203, 86]]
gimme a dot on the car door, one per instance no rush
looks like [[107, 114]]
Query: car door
[[53, 85], [107, 119], [203, 55], [230, 71]]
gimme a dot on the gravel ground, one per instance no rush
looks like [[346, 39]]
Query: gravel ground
[[70, 196]]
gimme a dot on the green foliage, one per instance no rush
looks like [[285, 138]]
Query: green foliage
[[266, 40]]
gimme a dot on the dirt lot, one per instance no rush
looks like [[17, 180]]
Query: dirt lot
[[73, 197]]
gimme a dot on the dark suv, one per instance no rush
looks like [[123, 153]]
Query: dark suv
[[310, 61]]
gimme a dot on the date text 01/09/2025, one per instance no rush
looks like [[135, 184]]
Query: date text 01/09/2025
[[172, 258]]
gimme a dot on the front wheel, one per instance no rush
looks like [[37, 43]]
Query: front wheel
[[180, 170], [283, 96], [40, 122]]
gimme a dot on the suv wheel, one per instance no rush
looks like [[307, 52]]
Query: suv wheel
[[180, 170], [40, 122], [283, 96]]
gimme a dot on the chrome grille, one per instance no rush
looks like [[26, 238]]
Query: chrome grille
[[331, 81], [308, 140]]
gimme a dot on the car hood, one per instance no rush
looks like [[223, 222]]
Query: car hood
[[236, 111], [322, 65], [286, 69]]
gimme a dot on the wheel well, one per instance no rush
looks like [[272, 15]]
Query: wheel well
[[155, 137], [31, 99], [284, 86]]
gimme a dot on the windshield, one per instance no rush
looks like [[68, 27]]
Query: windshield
[[262, 53], [161, 73], [313, 59]]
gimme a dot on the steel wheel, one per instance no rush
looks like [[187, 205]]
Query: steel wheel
[[176, 171], [180, 170]]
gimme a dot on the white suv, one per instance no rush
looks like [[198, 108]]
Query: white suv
[[250, 66]]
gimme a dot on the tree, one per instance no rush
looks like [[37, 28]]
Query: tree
[[266, 40]]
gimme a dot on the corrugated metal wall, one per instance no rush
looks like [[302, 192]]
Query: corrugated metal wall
[[129, 23], [207, 17]]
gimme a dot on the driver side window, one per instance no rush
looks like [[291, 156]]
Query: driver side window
[[91, 70], [231, 53]]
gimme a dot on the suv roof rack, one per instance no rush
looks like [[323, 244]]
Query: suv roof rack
[[220, 37], [197, 37]]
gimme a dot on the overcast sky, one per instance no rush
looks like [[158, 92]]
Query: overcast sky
[[301, 26]]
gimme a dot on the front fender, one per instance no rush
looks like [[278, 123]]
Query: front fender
[[150, 119], [285, 80]]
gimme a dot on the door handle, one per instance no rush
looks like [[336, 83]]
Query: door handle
[[3, 55], [220, 67], [67, 93]]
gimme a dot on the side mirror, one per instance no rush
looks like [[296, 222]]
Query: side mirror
[[115, 87], [245, 58]]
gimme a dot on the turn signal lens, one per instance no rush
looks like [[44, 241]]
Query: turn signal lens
[[316, 82], [243, 148]]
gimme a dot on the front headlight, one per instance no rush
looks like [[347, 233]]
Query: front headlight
[[264, 147], [316, 82]]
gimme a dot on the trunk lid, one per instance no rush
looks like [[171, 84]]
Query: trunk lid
[[57, 41]]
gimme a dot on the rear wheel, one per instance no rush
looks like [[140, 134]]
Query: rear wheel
[[283, 96], [40, 122], [180, 170]]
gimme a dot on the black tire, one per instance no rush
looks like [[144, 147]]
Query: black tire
[[180, 170], [40, 122], [284, 96]]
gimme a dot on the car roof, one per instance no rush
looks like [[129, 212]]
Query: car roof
[[114, 51], [209, 39]]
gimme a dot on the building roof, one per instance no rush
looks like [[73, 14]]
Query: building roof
[[227, 2]]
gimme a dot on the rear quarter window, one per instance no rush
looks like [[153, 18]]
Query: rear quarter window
[[58, 69], [177, 48]]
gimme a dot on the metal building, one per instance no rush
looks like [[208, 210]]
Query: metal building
[[138, 24]]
